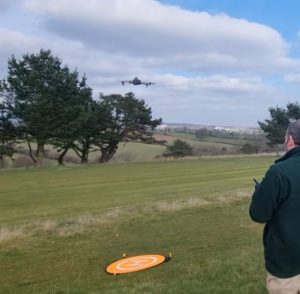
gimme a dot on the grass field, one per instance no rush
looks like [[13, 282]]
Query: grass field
[[132, 152], [211, 139], [60, 227], [207, 142]]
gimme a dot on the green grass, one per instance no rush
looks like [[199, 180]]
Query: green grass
[[132, 151], [212, 141], [207, 143], [228, 141], [60, 227]]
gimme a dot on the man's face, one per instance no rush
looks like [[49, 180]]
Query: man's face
[[288, 143]]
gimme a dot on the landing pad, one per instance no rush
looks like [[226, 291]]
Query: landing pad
[[135, 263]]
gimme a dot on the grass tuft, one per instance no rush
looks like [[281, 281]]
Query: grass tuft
[[9, 235]]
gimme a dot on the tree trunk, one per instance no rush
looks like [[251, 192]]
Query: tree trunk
[[105, 157], [85, 153], [1, 161], [82, 150], [60, 158], [107, 153], [84, 158], [40, 154], [30, 150]]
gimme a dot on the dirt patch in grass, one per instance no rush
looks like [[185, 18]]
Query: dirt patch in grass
[[11, 235]]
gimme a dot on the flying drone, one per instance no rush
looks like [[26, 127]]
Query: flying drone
[[136, 81]]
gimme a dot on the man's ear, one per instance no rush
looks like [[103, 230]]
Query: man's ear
[[290, 143]]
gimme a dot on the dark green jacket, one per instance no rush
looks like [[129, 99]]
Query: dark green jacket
[[276, 202]]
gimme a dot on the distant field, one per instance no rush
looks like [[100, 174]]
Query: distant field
[[138, 152], [216, 140], [60, 227], [207, 142]]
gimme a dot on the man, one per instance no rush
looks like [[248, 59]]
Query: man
[[276, 202]]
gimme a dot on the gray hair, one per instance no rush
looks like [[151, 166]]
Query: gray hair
[[294, 130]]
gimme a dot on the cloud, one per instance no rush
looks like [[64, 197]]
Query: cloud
[[18, 43], [207, 68], [215, 83], [293, 78], [4, 6], [15, 42], [171, 36]]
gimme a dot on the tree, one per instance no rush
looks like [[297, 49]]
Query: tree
[[92, 124], [293, 110], [275, 127], [127, 119], [8, 134], [249, 148], [202, 133], [73, 117], [179, 148], [38, 87]]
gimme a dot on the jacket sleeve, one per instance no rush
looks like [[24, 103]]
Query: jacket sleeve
[[266, 197]]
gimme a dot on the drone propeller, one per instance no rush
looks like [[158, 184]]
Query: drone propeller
[[124, 82], [149, 84], [136, 82]]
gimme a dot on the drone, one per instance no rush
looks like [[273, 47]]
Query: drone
[[136, 81]]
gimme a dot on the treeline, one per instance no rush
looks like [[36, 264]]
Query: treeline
[[44, 102]]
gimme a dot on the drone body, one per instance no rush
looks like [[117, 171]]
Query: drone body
[[136, 81]]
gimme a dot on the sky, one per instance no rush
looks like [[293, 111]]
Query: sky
[[213, 62]]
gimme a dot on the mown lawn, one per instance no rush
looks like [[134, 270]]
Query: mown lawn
[[60, 227]]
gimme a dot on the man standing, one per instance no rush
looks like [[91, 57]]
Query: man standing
[[276, 202]]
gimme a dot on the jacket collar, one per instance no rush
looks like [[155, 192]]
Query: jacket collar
[[293, 152]]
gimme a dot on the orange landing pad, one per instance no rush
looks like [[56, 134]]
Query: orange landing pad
[[135, 263]]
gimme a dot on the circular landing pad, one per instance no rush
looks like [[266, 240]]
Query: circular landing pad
[[135, 263]]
